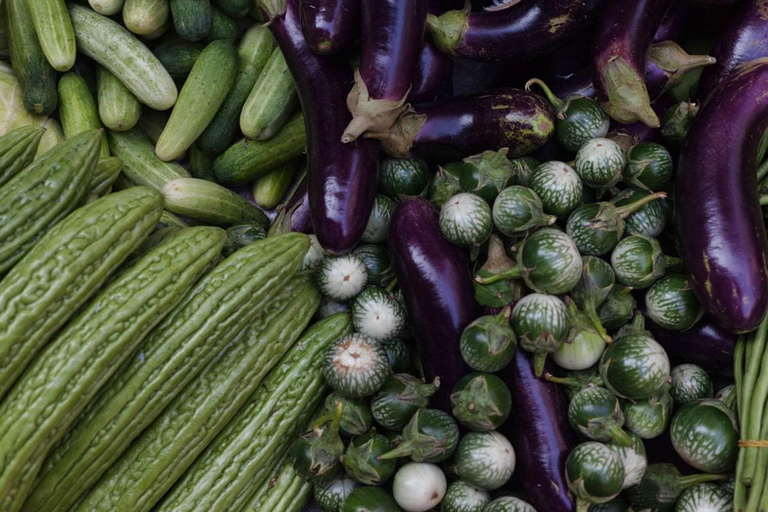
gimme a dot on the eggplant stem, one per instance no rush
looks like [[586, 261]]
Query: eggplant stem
[[621, 437], [539, 359], [764, 200], [627, 210], [391, 286], [684, 482], [563, 381], [598, 325], [556, 102], [404, 449], [512, 273], [673, 262]]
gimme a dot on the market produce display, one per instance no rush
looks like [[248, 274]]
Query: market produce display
[[383, 255]]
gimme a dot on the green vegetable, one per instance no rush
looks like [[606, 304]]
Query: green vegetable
[[600, 162], [649, 167], [594, 473], [670, 302], [356, 417], [119, 109], [488, 343], [403, 177], [584, 344], [705, 497], [331, 496], [54, 30], [317, 453], [522, 169], [661, 487], [377, 314], [378, 223], [241, 236], [705, 434], [285, 490], [370, 499], [77, 109], [618, 308], [145, 17], [106, 7], [142, 166], [105, 174], [648, 417], [648, 220], [633, 458], [399, 398], [355, 366], [430, 436], [689, 383], [541, 323], [485, 174], [223, 28], [559, 187], [518, 210], [377, 264], [17, 150], [234, 8], [361, 459], [192, 19], [638, 261], [508, 504], [481, 401], [209, 202], [462, 497], [271, 101], [485, 460], [179, 57], [596, 284], [342, 277], [595, 413]]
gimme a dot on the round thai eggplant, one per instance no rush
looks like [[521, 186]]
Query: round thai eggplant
[[518, 210], [361, 459], [559, 187], [403, 177], [595, 474], [671, 303], [457, 127], [378, 223], [541, 324], [689, 383], [356, 418], [719, 218], [574, 381], [330, 26], [618, 308], [705, 498], [485, 174], [523, 168], [638, 261], [508, 504], [462, 497], [488, 344], [400, 397], [377, 262], [661, 487], [596, 283], [649, 167], [316, 454], [465, 220], [583, 346], [595, 413], [485, 460], [331, 496], [503, 291], [634, 459], [355, 366], [549, 262], [648, 220], [706, 436], [481, 401], [369, 498], [599, 162], [433, 77], [648, 417], [430, 436], [398, 354]]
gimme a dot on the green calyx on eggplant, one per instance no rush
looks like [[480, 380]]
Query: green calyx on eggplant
[[596, 413], [677, 121], [575, 380], [705, 434], [648, 417], [634, 459], [662, 485], [674, 63], [727, 395], [370, 499], [541, 323], [649, 167], [481, 401], [671, 303], [648, 220], [599, 163], [596, 228], [316, 454], [430, 436], [361, 459], [499, 292], [638, 261], [618, 309], [595, 474], [356, 417], [559, 187], [518, 210], [465, 220], [689, 382], [522, 169], [485, 174], [594, 287], [578, 118], [583, 346], [403, 177], [488, 343], [399, 398]]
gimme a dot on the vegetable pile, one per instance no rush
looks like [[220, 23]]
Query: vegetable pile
[[383, 255]]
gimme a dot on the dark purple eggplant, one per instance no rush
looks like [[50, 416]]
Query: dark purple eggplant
[[459, 127], [625, 29], [392, 36], [432, 79], [742, 39], [540, 433], [715, 3], [341, 177], [298, 205], [436, 281], [515, 30], [718, 211], [330, 26], [676, 22]]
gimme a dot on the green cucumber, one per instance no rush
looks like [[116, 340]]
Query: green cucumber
[[106, 7], [285, 491], [54, 30], [221, 304], [105, 174], [270, 189], [192, 19], [203, 93], [118, 50], [255, 49], [223, 28], [201, 164], [247, 160], [234, 8], [271, 101], [17, 150], [140, 478], [145, 17], [152, 123], [119, 109], [244, 453], [35, 74], [68, 373], [210, 202], [77, 109], [44, 193], [179, 57], [142, 166]]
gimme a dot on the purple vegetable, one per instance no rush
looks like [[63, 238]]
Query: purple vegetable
[[742, 39], [676, 22], [432, 79], [436, 282], [298, 203], [459, 127], [638, 132], [330, 26], [513, 31], [624, 32], [392, 36], [342, 177], [579, 83], [540, 433], [716, 3], [719, 216]]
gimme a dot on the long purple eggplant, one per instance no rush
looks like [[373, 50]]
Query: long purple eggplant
[[742, 39], [459, 127], [715, 3], [392, 37], [539, 431], [625, 29], [330, 26], [298, 205], [514, 31], [436, 281], [433, 77], [718, 211], [676, 22], [342, 177]]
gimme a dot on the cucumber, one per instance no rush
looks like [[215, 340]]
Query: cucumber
[[54, 30], [167, 219], [192, 19], [119, 109], [201, 164], [105, 174], [67, 374], [115, 48], [142, 166], [152, 464], [203, 93], [225, 301], [210, 202], [106, 7], [243, 454], [17, 150], [255, 49], [285, 491], [145, 17], [247, 160], [35, 74], [271, 101], [179, 57], [270, 189], [223, 28], [234, 8], [77, 110], [152, 123], [44, 193]]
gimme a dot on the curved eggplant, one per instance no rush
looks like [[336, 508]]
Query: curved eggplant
[[342, 177], [458, 127], [540, 434], [298, 207], [436, 281], [330, 26], [715, 3], [392, 35], [513, 31], [676, 22], [743, 38], [625, 30], [433, 77], [718, 211]]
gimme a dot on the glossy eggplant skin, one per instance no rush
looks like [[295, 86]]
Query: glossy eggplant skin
[[342, 177], [301, 221], [743, 38], [513, 32], [540, 434], [718, 212], [676, 22], [330, 26], [433, 77], [458, 127], [436, 281]]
